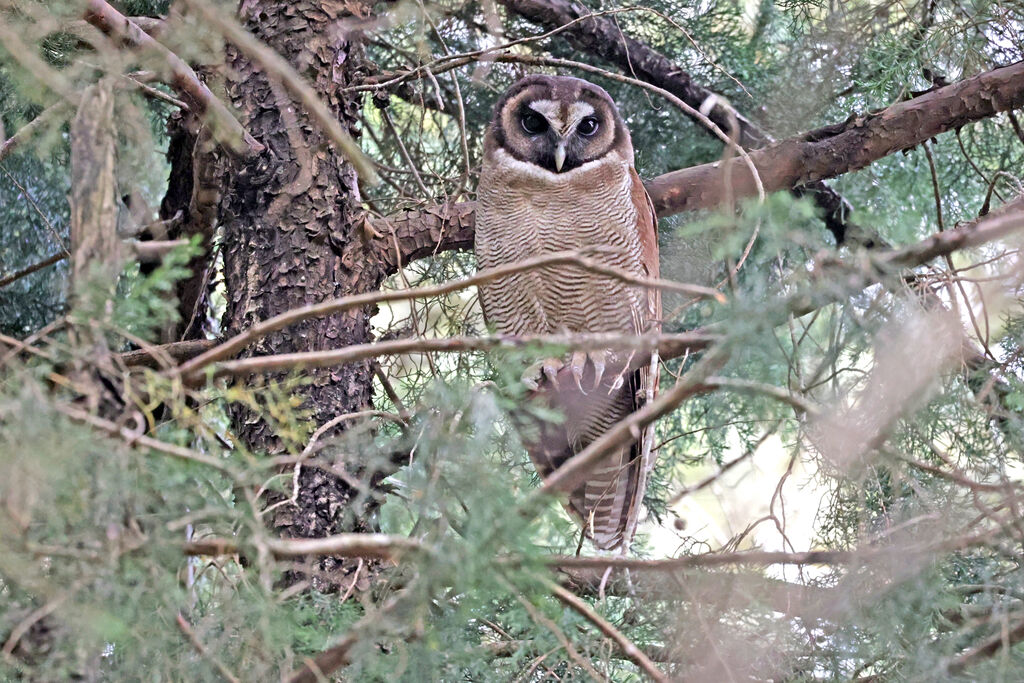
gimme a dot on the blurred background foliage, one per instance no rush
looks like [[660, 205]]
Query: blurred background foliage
[[92, 526]]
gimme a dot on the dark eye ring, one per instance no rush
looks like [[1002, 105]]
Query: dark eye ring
[[588, 126], [534, 123]]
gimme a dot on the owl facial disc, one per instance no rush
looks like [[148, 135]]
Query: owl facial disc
[[558, 123]]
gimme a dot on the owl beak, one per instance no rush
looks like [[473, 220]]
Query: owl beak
[[559, 156]]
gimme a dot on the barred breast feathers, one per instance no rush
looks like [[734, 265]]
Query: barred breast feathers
[[525, 210]]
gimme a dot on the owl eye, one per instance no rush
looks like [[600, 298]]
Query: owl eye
[[534, 123], [588, 126]]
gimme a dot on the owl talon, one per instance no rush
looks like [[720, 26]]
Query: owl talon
[[598, 358], [529, 379], [550, 367], [534, 375], [578, 363]]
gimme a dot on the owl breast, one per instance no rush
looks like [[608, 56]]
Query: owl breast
[[524, 212]]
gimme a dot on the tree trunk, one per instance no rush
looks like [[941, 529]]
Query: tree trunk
[[291, 237]]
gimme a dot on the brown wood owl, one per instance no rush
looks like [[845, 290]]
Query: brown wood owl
[[557, 175]]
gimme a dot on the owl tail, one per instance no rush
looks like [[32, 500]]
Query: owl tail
[[608, 503]]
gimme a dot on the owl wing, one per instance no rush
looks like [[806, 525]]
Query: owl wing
[[612, 497]]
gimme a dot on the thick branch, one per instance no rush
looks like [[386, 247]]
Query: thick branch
[[425, 232], [601, 36], [825, 153], [94, 243], [834, 150]]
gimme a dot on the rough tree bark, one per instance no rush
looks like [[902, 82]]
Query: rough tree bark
[[291, 238]]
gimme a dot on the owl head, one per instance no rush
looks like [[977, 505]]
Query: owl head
[[557, 123]]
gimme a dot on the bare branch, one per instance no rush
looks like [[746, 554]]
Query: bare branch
[[569, 476], [627, 646], [823, 153], [133, 438], [18, 274], [31, 128], [380, 546], [761, 557], [175, 351], [226, 127], [669, 345], [94, 244], [186, 628], [577, 258]]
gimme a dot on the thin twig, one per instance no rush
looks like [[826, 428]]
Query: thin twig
[[231, 346], [227, 129], [671, 346], [627, 646], [132, 438], [186, 628], [558, 633]]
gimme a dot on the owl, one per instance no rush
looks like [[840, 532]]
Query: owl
[[558, 175]]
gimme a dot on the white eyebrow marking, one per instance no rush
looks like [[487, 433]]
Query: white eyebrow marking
[[549, 109], [578, 110]]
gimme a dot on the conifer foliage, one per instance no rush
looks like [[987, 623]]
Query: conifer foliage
[[253, 426]]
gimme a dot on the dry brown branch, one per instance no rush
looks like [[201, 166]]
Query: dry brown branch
[[671, 346], [145, 252], [231, 346], [381, 546], [132, 438], [824, 153], [176, 351], [627, 646], [18, 274], [726, 589], [563, 640], [758, 557], [94, 243], [985, 649], [1003, 221], [317, 668], [31, 128], [743, 386], [35, 616], [576, 469], [849, 146], [226, 127]]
